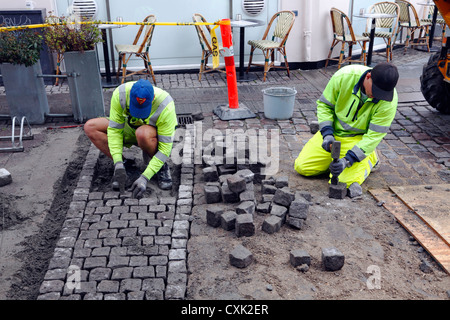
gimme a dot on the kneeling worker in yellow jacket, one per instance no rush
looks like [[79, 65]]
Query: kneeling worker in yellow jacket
[[357, 108], [140, 115]]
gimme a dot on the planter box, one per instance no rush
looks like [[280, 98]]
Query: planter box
[[25, 92], [85, 85]]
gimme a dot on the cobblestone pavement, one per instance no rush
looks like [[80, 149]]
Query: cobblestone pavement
[[123, 248]]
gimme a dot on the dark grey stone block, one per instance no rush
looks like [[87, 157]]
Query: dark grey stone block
[[263, 207], [338, 191], [295, 222], [246, 207], [332, 259], [303, 194], [267, 197], [229, 196], [241, 257], [228, 220], [284, 197], [268, 189], [236, 183], [244, 226], [299, 257], [354, 190], [224, 170], [299, 208], [281, 182], [213, 216], [247, 174], [272, 224], [212, 194], [279, 211], [247, 195], [210, 174]]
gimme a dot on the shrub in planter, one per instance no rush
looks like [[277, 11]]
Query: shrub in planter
[[76, 43], [20, 47], [20, 63], [69, 35]]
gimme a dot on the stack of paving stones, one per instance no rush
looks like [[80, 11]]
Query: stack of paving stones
[[228, 182], [332, 259], [114, 247]]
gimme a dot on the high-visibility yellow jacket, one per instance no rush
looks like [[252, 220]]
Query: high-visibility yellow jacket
[[342, 112], [162, 116]]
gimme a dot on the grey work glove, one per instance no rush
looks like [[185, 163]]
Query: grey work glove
[[139, 186], [336, 167], [327, 142], [120, 175]]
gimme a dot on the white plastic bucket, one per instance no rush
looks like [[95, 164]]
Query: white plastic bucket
[[279, 102]]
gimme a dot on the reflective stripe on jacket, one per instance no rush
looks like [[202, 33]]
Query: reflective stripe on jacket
[[341, 107], [162, 116]]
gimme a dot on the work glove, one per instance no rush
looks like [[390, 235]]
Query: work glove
[[327, 142], [120, 176], [139, 186], [336, 167]]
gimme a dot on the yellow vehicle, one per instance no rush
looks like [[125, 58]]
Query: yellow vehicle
[[435, 79]]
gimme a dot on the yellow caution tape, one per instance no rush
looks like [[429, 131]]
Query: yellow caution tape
[[215, 47], [44, 25], [214, 40]]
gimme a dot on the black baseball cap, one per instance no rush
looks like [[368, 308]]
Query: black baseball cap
[[384, 79]]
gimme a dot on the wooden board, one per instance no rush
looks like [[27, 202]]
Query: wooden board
[[431, 203], [428, 238]]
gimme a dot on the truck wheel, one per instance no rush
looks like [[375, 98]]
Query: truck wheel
[[435, 90]]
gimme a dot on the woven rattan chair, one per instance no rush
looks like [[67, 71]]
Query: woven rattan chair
[[409, 20], [343, 33], [440, 21], [139, 48], [204, 34], [284, 23], [385, 28]]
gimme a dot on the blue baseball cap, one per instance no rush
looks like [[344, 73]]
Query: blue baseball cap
[[141, 97]]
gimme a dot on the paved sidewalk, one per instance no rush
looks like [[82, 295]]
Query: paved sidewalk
[[123, 248]]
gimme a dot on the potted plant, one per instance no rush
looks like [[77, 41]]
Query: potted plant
[[21, 72], [76, 42]]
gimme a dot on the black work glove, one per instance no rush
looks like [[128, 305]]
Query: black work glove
[[327, 142], [139, 186], [120, 175], [336, 167]]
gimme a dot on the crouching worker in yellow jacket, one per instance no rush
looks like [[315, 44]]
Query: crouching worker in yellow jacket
[[140, 115], [357, 108]]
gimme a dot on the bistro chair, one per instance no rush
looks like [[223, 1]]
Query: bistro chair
[[139, 48], [275, 43], [204, 34], [343, 33], [409, 20], [385, 28], [439, 20]]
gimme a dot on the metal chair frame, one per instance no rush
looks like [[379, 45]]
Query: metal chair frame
[[207, 50], [341, 23], [386, 28], [409, 20], [283, 26], [126, 52]]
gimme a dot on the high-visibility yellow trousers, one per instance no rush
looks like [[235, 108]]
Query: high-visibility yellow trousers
[[314, 160]]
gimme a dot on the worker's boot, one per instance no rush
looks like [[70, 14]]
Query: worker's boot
[[164, 177], [376, 167]]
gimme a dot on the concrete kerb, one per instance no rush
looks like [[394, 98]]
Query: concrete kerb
[[113, 247]]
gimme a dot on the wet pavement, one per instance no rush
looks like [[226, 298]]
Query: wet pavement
[[115, 247]]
